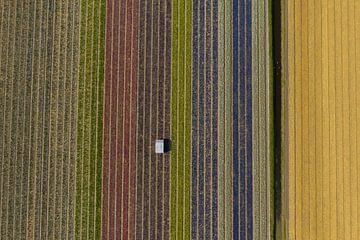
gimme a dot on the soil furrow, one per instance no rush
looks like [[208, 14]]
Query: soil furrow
[[153, 118], [12, 145], [147, 122], [61, 124], [32, 221], [140, 122], [87, 108], [19, 62], [160, 119], [53, 143], [3, 58], [80, 117], [29, 120], [93, 121], [126, 122], [120, 64], [68, 95], [25, 120], [133, 126], [75, 63], [167, 111], [99, 117]]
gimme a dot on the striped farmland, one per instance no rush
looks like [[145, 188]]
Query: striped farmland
[[120, 118], [90, 76], [322, 98], [88, 86], [180, 120], [38, 107], [204, 121]]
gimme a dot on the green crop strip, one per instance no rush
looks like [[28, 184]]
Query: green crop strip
[[180, 120], [99, 105], [224, 119], [89, 121]]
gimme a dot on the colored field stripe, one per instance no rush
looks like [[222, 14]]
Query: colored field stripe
[[154, 89], [137, 99], [205, 121], [35, 111], [89, 121], [221, 122], [154, 109], [73, 68], [140, 122], [224, 120], [12, 148], [31, 97], [21, 118], [78, 158], [133, 116], [133, 131], [228, 120], [106, 119], [180, 120], [167, 118], [3, 102], [261, 122], [322, 100], [242, 120]]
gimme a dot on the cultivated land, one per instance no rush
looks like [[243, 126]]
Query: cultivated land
[[135, 200], [225, 120], [89, 119], [157, 100], [323, 60], [120, 120], [204, 121], [262, 122], [38, 99], [86, 88], [180, 128]]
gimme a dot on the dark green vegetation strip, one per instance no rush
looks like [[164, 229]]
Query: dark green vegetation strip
[[38, 93], [89, 121], [180, 120], [278, 40]]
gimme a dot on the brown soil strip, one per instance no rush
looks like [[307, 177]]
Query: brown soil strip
[[106, 119]]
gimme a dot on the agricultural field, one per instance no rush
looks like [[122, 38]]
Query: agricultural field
[[86, 87], [89, 122], [120, 129], [180, 130], [258, 100], [39, 55], [322, 124]]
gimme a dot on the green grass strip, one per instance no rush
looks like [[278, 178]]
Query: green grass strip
[[180, 120]]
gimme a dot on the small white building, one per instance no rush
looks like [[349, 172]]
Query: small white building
[[160, 146]]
